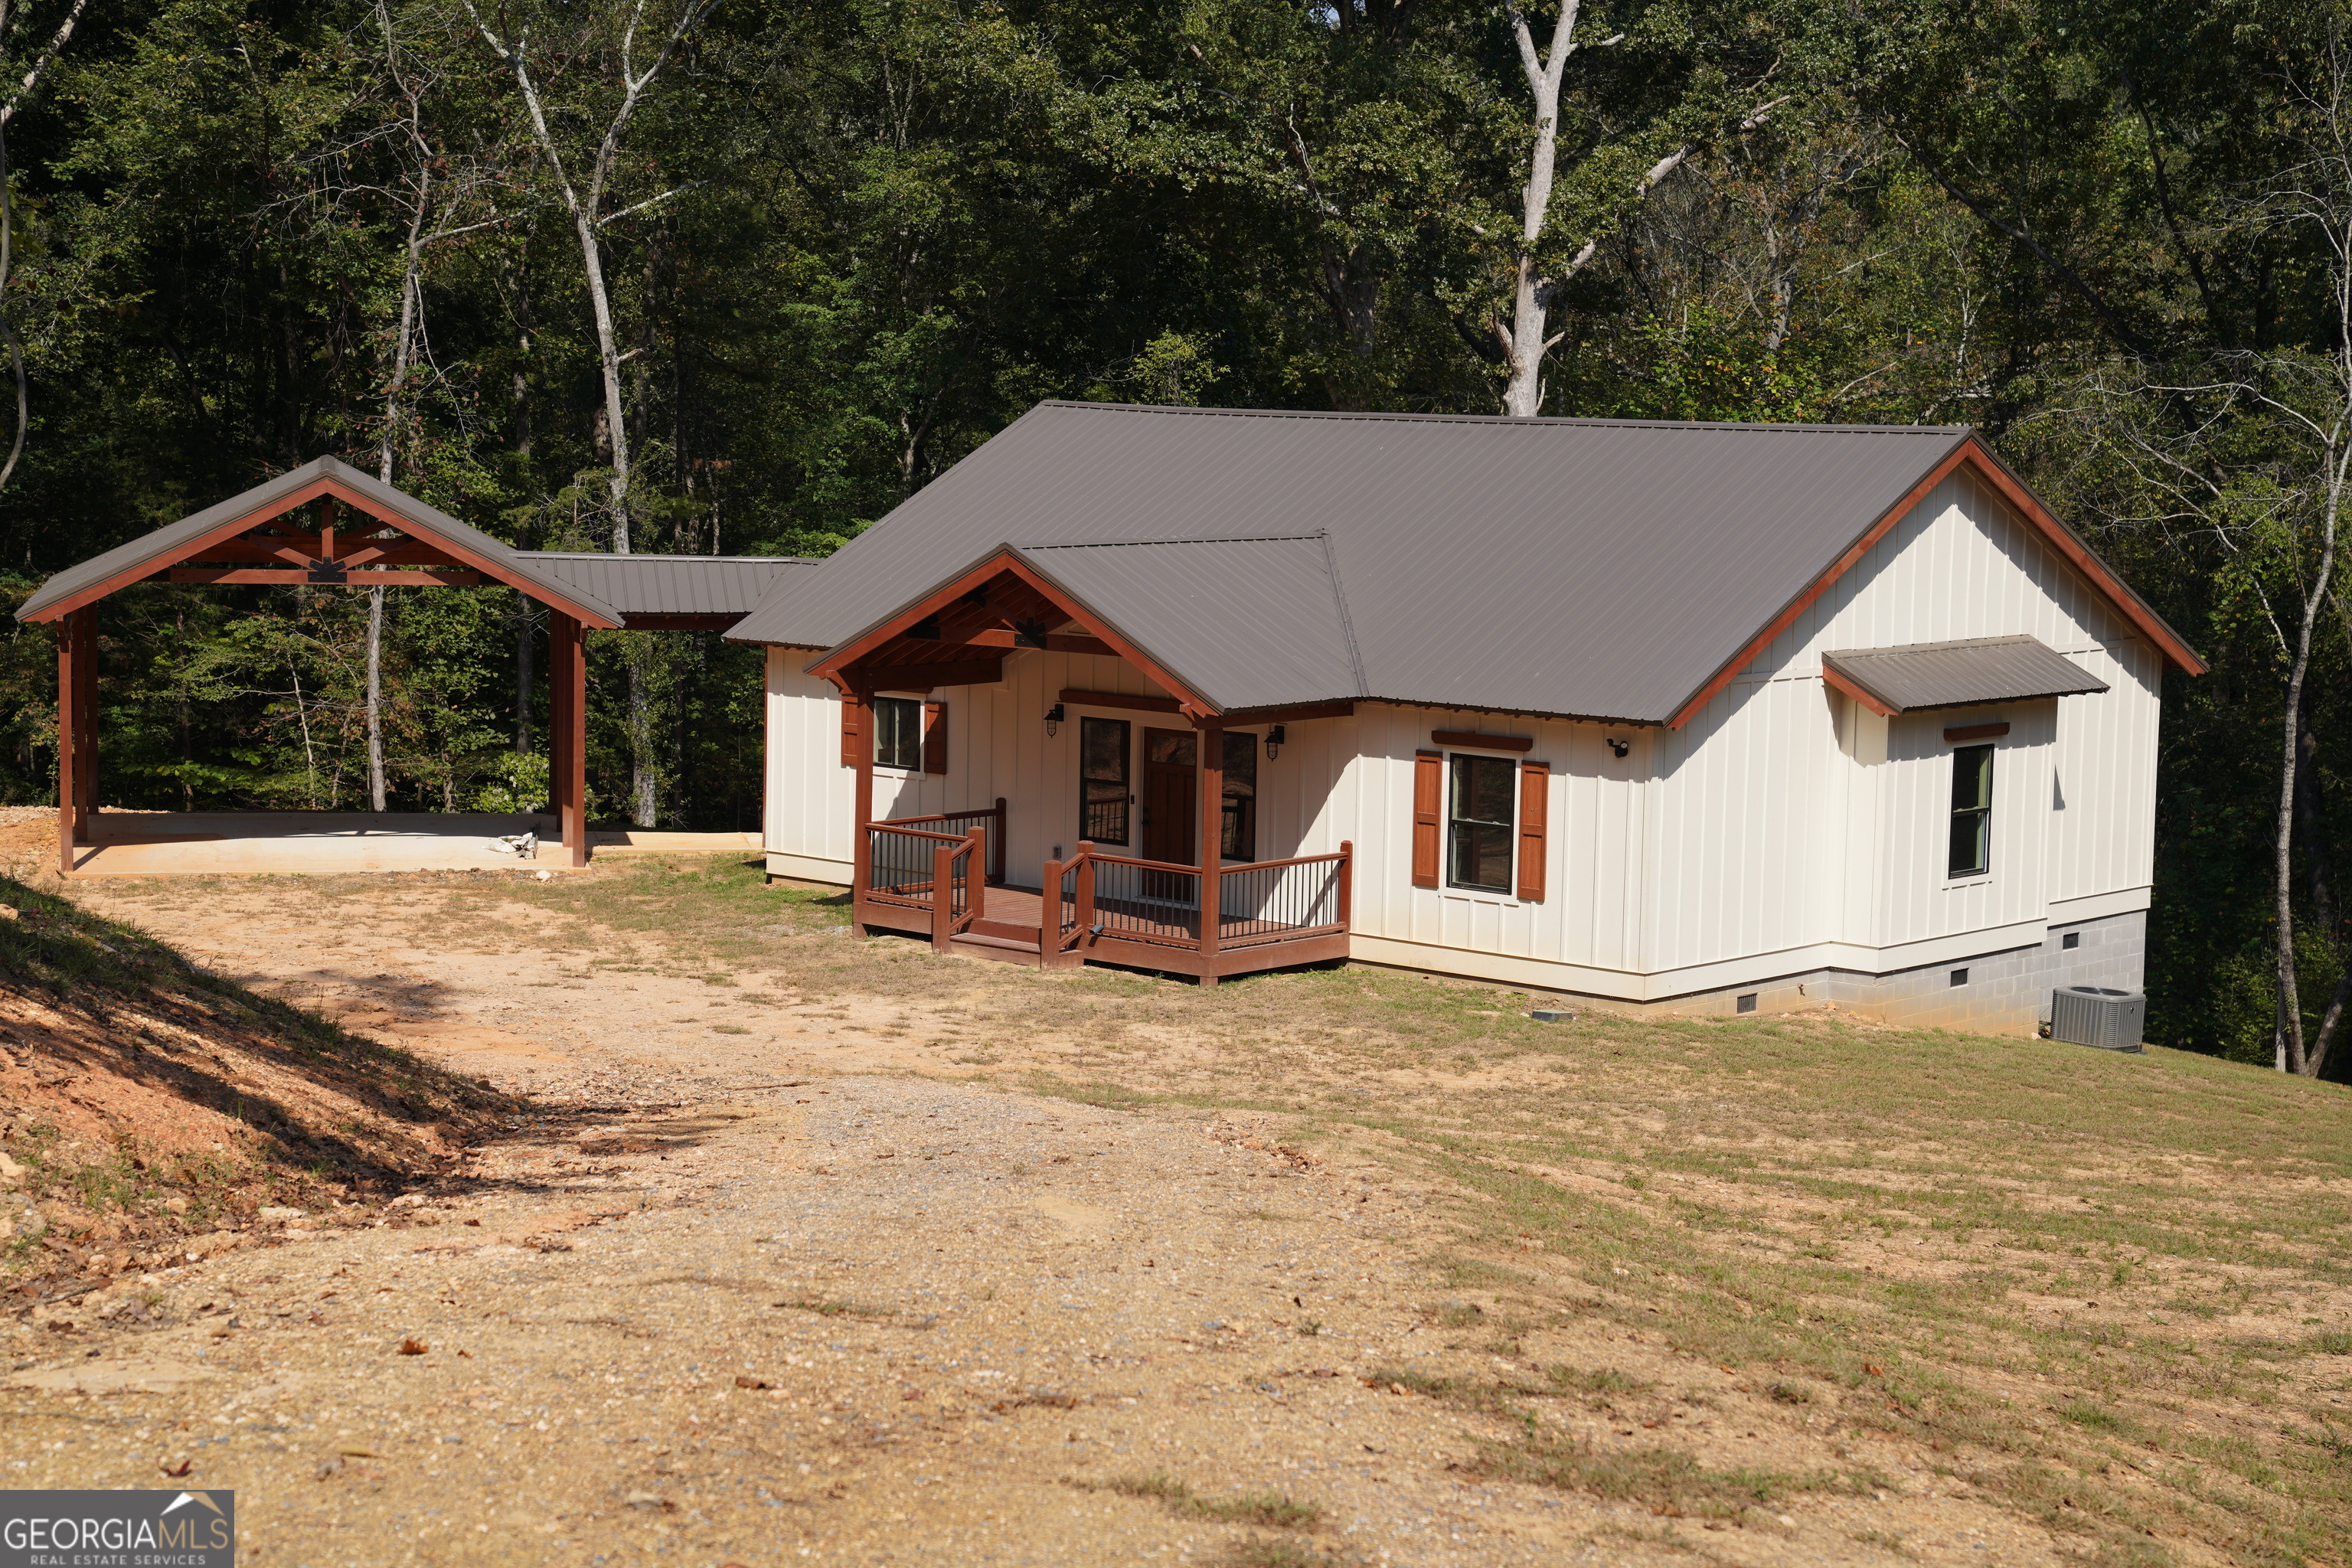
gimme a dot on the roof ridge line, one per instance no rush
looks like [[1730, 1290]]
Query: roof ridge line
[[1539, 421], [1205, 539]]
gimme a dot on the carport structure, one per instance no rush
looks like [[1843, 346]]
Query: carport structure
[[327, 524]]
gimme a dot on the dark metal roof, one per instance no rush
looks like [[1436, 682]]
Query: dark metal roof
[[706, 585], [1245, 623], [1592, 568], [404, 512], [1962, 674]]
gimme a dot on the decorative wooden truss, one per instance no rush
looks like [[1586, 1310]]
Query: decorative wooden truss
[[365, 552]]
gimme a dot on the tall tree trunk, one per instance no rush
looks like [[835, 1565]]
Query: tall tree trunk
[[16, 100], [1535, 293], [395, 387], [375, 698], [525, 679], [587, 213]]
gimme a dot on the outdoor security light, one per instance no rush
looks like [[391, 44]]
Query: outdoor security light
[[1273, 742], [1054, 719]]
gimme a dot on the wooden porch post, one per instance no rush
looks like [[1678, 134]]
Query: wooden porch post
[[1212, 843], [857, 709], [567, 671]]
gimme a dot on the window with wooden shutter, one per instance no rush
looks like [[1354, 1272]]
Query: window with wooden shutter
[[1534, 795], [934, 737], [1428, 788]]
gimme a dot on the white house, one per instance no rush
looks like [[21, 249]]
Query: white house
[[1716, 718]]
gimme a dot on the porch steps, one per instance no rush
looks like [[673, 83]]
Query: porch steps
[[1004, 931], [1003, 950]]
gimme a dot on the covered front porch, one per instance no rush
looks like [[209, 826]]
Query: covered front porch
[[1142, 826], [924, 877]]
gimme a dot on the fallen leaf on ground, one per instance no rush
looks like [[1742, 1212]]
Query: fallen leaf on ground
[[413, 1347]]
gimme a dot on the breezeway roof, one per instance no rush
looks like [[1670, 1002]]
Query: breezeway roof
[[607, 589]]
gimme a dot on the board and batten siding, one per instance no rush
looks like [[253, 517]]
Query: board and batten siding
[[810, 793], [1787, 830]]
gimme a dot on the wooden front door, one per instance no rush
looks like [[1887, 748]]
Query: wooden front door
[[1171, 774]]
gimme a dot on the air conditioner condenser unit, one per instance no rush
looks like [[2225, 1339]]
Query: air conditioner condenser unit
[[2098, 1015]]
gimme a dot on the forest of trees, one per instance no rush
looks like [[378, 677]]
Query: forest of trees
[[738, 276]]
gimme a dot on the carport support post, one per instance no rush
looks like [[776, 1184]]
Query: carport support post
[[567, 672], [77, 757], [86, 765]]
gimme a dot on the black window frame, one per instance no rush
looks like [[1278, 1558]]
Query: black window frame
[[909, 744], [1968, 850], [1237, 832], [1475, 830], [1119, 796]]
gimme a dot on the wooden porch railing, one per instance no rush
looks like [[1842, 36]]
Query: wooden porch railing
[[1115, 908], [990, 818], [1093, 899], [942, 874]]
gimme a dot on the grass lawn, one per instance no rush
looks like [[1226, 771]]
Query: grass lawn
[[2110, 1292]]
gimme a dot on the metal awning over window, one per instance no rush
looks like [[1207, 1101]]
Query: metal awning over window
[[1981, 671]]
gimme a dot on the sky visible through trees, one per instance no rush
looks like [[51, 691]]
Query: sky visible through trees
[[738, 278]]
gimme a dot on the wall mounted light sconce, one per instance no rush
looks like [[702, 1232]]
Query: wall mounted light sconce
[[1054, 719], [1620, 747], [1274, 738]]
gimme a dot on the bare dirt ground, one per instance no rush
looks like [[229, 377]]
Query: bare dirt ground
[[763, 1246]]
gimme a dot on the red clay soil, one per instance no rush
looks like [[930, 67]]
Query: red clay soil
[[150, 1109]]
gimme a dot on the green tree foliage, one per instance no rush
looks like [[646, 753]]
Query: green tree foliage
[[845, 243]]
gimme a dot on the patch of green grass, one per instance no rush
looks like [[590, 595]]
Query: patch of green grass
[[1668, 1480], [1278, 1551], [826, 1308], [1271, 1511]]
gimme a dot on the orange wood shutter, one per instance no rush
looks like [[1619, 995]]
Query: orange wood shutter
[[1535, 796], [853, 727], [1428, 793], [934, 737]]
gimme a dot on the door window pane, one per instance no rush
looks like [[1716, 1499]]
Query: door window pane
[[1479, 832], [898, 733], [1971, 846], [1173, 748], [1241, 795], [1103, 781]]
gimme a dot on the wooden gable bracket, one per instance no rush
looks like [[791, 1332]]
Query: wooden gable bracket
[[952, 603]]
